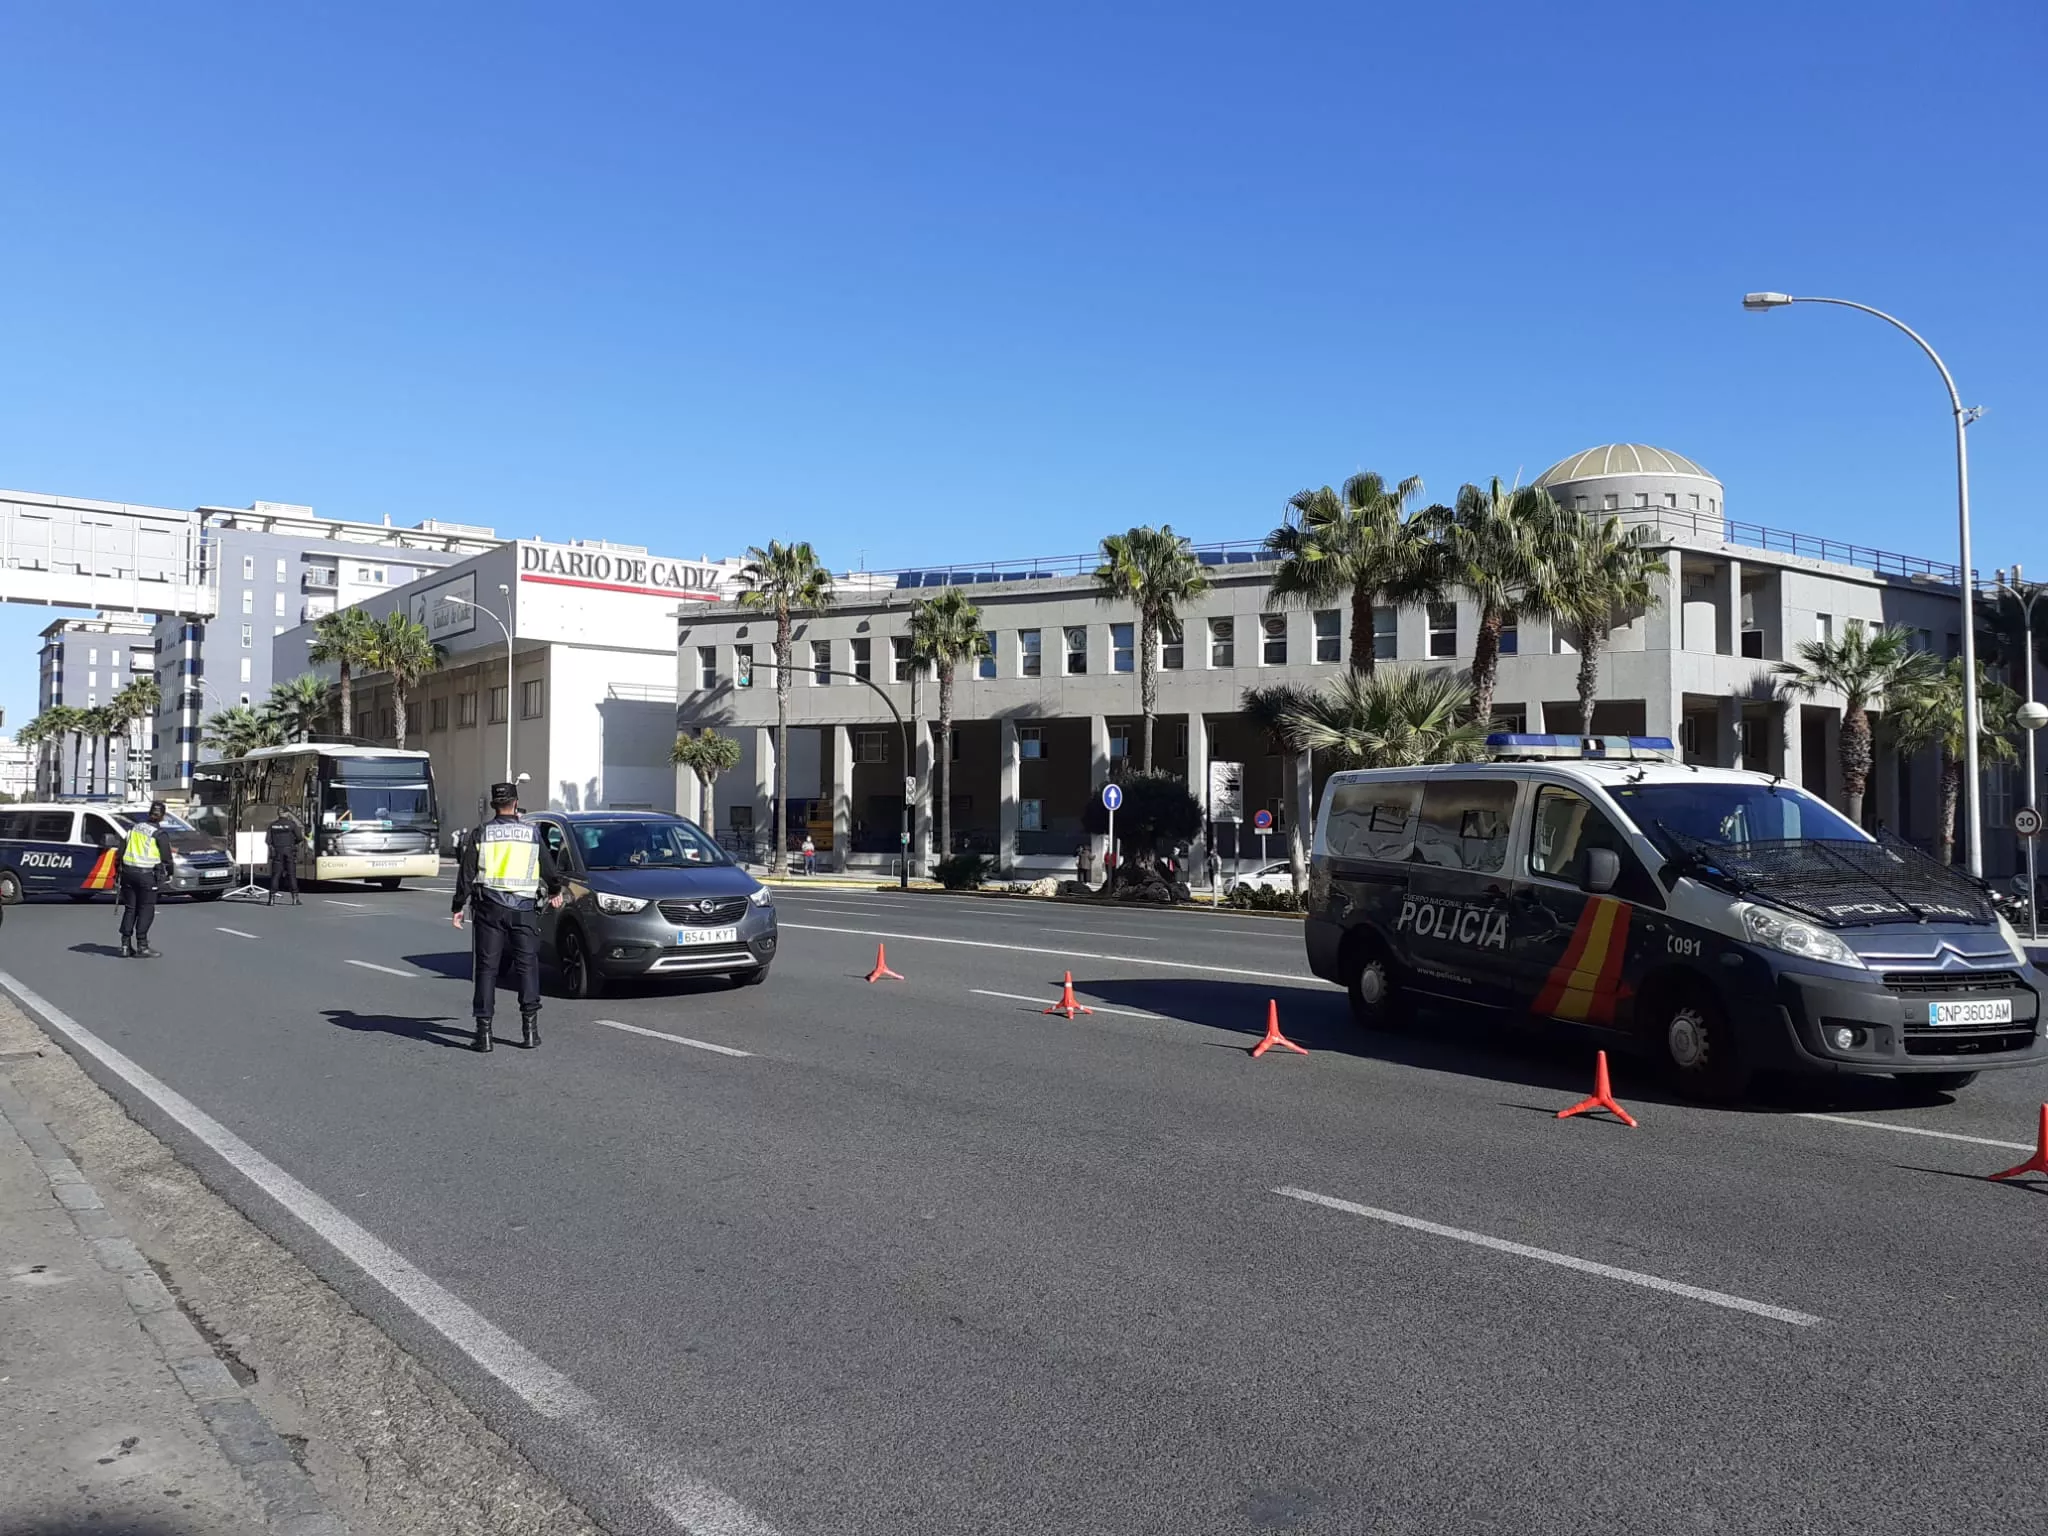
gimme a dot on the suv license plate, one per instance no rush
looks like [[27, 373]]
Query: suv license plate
[[1991, 1011], [689, 936]]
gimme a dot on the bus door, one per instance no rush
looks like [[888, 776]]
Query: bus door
[[1453, 921], [1569, 944]]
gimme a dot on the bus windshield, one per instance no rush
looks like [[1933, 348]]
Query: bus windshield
[[384, 806], [1733, 813]]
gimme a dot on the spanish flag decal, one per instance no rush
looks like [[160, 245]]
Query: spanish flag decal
[[1584, 985], [102, 876]]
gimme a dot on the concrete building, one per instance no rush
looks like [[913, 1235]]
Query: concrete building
[[265, 570], [1054, 712], [83, 663], [585, 709], [17, 770]]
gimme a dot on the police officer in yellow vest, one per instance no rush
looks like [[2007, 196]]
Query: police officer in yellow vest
[[505, 868], [145, 864]]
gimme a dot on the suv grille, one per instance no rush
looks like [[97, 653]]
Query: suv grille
[[1928, 983], [724, 909]]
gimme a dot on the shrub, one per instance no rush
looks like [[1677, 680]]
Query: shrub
[[962, 872], [1249, 898]]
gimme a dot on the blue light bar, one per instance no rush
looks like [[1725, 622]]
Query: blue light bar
[[1519, 744]]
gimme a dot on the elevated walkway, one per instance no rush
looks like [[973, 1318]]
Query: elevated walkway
[[65, 552]]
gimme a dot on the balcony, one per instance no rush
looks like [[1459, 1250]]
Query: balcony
[[321, 578]]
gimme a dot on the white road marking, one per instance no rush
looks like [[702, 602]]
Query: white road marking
[[699, 1508], [1562, 1260], [336, 901], [236, 932], [1106, 933], [702, 1045], [1914, 1130], [388, 970], [1070, 954], [1094, 1007]]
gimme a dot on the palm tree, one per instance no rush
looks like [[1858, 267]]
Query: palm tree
[[347, 637], [1392, 719], [401, 646], [1156, 571], [1593, 575], [296, 707], [101, 725], [945, 630], [1869, 670], [706, 754], [58, 722], [1276, 710], [783, 579], [237, 731], [1927, 711], [1358, 544], [1489, 546], [137, 705]]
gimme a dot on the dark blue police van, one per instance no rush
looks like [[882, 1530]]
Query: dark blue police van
[[55, 849]]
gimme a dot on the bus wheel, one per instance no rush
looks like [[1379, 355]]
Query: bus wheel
[[10, 888], [1377, 1001], [390, 884], [1698, 1044]]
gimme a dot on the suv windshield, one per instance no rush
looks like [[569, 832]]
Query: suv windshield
[[1732, 813], [644, 845]]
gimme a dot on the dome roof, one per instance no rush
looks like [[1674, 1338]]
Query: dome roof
[[1621, 459]]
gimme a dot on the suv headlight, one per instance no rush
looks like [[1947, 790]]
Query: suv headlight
[[2011, 935], [609, 903], [760, 896], [1792, 937]]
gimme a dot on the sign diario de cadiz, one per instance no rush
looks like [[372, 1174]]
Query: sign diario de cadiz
[[619, 572]]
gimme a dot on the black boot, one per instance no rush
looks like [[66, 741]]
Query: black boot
[[483, 1034], [127, 949], [529, 1030], [146, 952]]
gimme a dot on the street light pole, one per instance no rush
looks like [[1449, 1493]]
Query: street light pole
[[507, 628], [1964, 415], [2030, 720]]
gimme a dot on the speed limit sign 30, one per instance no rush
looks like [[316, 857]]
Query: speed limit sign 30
[[2026, 821]]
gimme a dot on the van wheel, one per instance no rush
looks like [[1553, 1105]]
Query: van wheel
[[1918, 1083], [10, 888], [1377, 1001], [579, 976], [1698, 1044]]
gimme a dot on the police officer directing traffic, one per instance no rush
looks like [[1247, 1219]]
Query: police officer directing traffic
[[283, 838], [145, 864], [505, 867]]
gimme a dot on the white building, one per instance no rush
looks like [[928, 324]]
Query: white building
[[17, 770]]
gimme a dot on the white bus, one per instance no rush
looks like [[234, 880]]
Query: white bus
[[367, 813]]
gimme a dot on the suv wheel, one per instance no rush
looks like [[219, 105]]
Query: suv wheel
[[1377, 1001], [10, 888], [579, 977], [1698, 1045]]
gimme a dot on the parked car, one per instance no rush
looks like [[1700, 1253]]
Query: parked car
[[650, 895], [1267, 877], [58, 849]]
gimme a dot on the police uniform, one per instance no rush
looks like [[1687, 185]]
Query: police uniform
[[283, 837], [505, 868], [145, 864]]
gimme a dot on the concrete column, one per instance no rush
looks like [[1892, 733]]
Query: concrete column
[[1832, 725], [1304, 805], [1006, 809], [1664, 625], [764, 787], [842, 795], [1098, 770], [1664, 708], [1728, 747], [1198, 786], [1728, 608], [925, 835], [1785, 717]]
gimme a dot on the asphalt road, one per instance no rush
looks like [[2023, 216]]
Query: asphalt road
[[927, 1260]]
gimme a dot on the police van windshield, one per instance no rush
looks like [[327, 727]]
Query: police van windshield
[[1732, 813], [172, 821], [645, 845]]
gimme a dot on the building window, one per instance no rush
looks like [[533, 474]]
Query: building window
[[985, 663], [437, 714], [743, 666], [1823, 627], [1222, 642], [280, 568], [1180, 741], [1123, 654], [1443, 629], [1607, 502], [1386, 634], [465, 709], [1753, 643], [1580, 503], [707, 666], [1642, 498], [1511, 636], [1027, 653], [92, 656], [92, 679], [1671, 498], [498, 702], [248, 567], [1273, 640], [248, 600], [900, 660], [248, 666], [870, 747], [1030, 815], [1077, 650], [278, 608], [245, 698], [1119, 743], [1511, 720], [1329, 635], [248, 636], [1030, 741], [276, 630], [863, 657], [1172, 646], [821, 663], [1695, 502], [531, 695]]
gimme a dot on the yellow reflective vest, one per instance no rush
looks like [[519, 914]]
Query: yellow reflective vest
[[142, 850], [508, 861]]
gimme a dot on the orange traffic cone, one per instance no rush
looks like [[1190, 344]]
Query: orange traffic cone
[[881, 969], [1066, 1004], [1603, 1096], [2038, 1163], [1273, 1035]]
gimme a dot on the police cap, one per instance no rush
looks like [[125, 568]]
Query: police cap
[[504, 794]]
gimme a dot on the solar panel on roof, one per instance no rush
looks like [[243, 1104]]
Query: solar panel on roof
[[1041, 576], [1210, 557], [938, 578], [989, 576], [909, 579], [1242, 557], [1016, 575]]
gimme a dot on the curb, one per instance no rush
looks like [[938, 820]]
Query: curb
[[1100, 904], [291, 1504]]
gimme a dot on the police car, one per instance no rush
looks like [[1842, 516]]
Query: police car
[[74, 850], [1728, 920]]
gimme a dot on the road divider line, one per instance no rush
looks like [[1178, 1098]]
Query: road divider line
[[1095, 1007], [1070, 954], [698, 1507], [336, 901], [656, 1034], [388, 970], [1916, 1130], [1105, 933], [1562, 1260], [236, 932]]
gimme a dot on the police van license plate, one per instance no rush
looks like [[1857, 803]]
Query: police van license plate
[[1990, 1011], [213, 874], [689, 936]]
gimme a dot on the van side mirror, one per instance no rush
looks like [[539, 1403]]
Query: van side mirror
[[1603, 869]]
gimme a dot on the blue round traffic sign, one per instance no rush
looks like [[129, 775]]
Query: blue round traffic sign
[[1262, 821], [1112, 796]]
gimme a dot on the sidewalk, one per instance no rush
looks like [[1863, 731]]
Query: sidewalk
[[119, 1417]]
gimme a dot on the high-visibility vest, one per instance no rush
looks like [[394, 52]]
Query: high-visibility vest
[[508, 860], [142, 850]]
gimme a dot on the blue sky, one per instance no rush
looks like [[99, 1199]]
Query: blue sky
[[924, 282]]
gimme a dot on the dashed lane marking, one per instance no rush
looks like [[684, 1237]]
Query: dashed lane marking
[[1106, 933], [1070, 954], [388, 970], [1094, 1007], [336, 901], [1917, 1130], [236, 932], [1561, 1260], [700, 1045]]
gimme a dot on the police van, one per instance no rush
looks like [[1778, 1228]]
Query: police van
[[74, 850], [1727, 920]]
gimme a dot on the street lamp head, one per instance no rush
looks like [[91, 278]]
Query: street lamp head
[[1765, 300], [2032, 716]]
